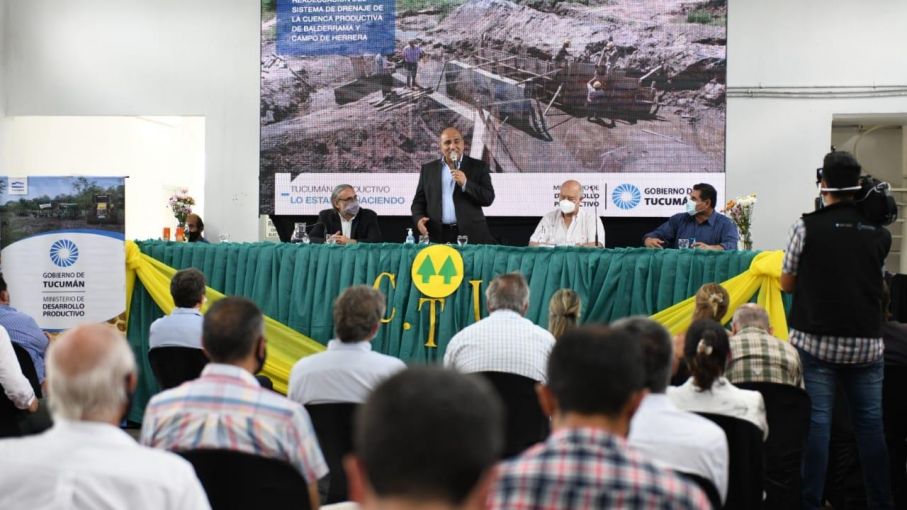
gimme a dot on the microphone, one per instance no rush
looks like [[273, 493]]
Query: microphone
[[455, 157], [597, 219]]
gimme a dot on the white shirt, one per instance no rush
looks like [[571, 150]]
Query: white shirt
[[91, 465], [346, 227], [551, 230], [15, 385], [182, 328], [724, 398], [505, 341], [680, 440], [345, 372]]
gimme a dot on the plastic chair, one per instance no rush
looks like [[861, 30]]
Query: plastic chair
[[787, 409], [333, 425], [173, 366], [237, 480], [745, 474], [525, 423]]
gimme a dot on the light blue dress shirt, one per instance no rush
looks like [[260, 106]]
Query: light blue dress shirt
[[182, 328], [448, 213], [23, 330]]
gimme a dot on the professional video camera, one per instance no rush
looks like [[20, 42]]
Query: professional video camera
[[873, 199]]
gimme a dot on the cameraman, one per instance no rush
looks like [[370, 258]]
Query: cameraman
[[833, 266]]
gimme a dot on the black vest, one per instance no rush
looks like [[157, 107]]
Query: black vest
[[839, 276]]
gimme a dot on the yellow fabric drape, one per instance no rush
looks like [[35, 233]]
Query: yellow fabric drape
[[285, 345], [764, 276]]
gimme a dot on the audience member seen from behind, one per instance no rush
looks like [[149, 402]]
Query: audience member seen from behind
[[564, 310], [711, 302], [23, 330], [756, 355], [183, 327], [595, 384], [85, 460], [706, 353], [833, 265], [226, 408], [348, 370], [195, 229], [679, 440], [426, 438], [505, 341]]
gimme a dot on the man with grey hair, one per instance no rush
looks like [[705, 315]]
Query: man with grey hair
[[678, 440], [756, 355], [348, 370], [569, 224], [346, 222], [505, 341], [85, 460]]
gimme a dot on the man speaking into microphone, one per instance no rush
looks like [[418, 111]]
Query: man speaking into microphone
[[451, 194]]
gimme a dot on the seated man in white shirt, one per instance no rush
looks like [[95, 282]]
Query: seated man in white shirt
[[678, 440], [505, 341], [569, 224], [183, 327], [85, 460], [348, 370]]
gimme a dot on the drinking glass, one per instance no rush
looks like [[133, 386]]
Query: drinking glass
[[683, 244], [462, 240], [223, 237], [423, 240], [166, 234]]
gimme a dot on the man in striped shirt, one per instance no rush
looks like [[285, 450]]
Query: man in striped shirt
[[226, 408]]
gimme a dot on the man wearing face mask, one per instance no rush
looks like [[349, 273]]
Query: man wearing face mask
[[709, 229], [451, 194], [226, 408], [570, 224], [833, 265], [346, 222]]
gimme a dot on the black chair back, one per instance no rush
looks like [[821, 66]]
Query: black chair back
[[236, 480], [525, 423], [10, 415], [333, 425], [787, 410], [746, 463], [894, 416], [706, 485], [173, 366]]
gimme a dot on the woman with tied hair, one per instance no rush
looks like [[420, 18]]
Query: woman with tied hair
[[711, 302], [563, 311], [706, 351]]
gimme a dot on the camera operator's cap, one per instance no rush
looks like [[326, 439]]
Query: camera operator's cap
[[841, 172]]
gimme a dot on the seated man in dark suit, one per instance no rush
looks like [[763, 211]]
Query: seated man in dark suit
[[451, 194], [346, 222]]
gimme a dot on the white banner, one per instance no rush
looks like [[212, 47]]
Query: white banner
[[613, 194]]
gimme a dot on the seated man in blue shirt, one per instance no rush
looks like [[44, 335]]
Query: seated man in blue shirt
[[709, 229], [23, 331], [183, 327]]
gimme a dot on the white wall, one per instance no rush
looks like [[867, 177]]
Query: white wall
[[154, 58], [775, 145], [158, 154], [200, 57]]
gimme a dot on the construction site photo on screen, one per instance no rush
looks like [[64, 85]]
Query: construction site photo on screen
[[626, 94]]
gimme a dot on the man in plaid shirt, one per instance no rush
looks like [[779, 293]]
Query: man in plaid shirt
[[833, 266], [595, 383], [756, 355]]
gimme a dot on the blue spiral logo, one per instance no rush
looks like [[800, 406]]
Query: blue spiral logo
[[626, 196], [64, 253]]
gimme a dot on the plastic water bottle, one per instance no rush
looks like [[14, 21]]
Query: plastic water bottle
[[410, 239]]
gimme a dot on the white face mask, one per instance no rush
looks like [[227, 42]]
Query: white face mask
[[691, 207], [567, 207]]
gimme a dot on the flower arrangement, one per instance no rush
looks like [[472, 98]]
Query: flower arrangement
[[181, 205], [740, 211]]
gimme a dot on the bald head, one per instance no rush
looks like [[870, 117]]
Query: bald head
[[572, 187], [452, 141], [90, 369]]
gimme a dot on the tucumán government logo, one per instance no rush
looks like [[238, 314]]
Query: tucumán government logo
[[626, 196], [64, 253]]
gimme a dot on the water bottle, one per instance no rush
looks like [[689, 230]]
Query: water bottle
[[409, 237]]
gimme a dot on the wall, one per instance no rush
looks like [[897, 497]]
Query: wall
[[775, 145], [158, 154], [160, 58], [3, 9], [200, 57]]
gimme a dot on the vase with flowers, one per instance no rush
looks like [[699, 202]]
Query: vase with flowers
[[181, 205], [740, 211]]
